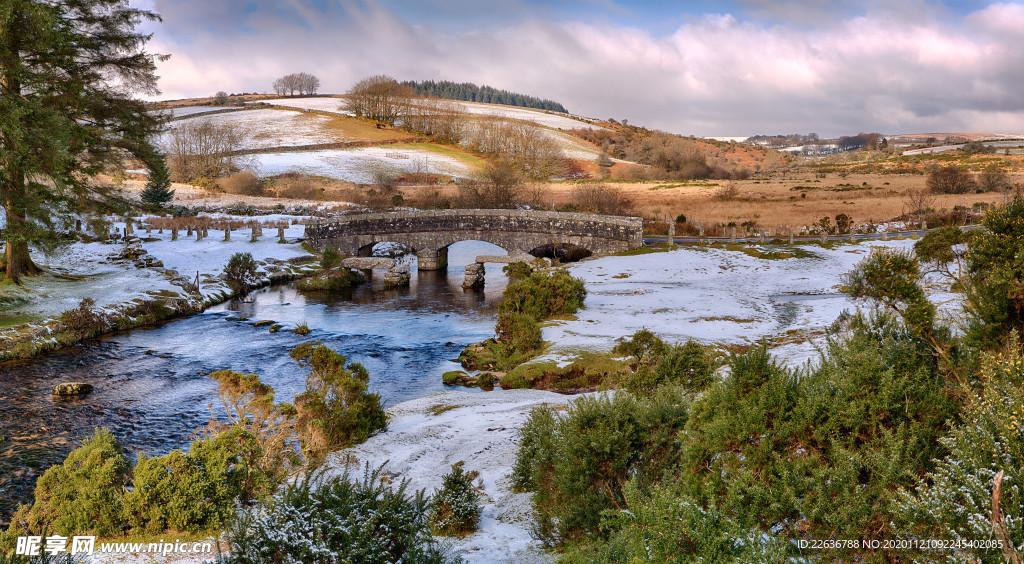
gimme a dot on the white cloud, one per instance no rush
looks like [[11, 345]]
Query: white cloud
[[714, 75]]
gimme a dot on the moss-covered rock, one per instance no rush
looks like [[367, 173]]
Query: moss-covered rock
[[65, 389]]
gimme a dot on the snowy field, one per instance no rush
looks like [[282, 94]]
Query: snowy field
[[268, 128], [359, 164], [195, 110], [332, 105], [715, 296], [554, 121]]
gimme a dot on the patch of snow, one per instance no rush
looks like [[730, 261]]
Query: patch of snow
[[714, 296], [480, 429], [269, 128], [358, 164], [332, 105]]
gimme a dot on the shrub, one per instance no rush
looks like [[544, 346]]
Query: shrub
[[518, 332], [84, 495], [517, 270], [330, 257], [455, 508], [820, 453], [954, 501], [335, 521], [644, 346], [950, 180], [240, 272], [995, 303], [245, 183], [191, 492], [85, 320], [578, 463], [335, 411], [298, 187], [665, 526], [303, 329], [544, 294], [690, 365]]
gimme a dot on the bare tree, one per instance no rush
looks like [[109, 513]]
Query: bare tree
[[442, 119], [379, 98], [950, 180], [202, 148], [301, 82], [308, 84]]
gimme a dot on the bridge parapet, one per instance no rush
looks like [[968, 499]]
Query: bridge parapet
[[429, 233]]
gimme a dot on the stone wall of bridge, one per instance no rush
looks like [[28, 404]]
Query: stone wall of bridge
[[429, 233]]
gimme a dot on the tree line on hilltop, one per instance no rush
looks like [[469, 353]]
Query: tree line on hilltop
[[469, 92]]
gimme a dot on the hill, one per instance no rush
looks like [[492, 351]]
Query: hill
[[469, 92]]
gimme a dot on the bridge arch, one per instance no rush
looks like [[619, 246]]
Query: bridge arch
[[430, 233]]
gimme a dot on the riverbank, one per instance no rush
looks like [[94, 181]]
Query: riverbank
[[142, 280]]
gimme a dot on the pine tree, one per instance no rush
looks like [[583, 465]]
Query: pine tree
[[68, 69], [158, 190]]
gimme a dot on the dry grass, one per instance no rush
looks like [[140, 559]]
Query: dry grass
[[780, 201]]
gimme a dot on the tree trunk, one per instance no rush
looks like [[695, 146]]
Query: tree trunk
[[16, 257]]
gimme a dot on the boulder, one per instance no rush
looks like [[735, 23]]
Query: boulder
[[72, 389]]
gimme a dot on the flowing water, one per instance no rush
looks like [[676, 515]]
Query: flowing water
[[151, 388]]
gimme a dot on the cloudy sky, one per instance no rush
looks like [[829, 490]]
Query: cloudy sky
[[739, 67]]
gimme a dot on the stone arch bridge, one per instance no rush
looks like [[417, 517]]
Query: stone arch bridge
[[429, 233]]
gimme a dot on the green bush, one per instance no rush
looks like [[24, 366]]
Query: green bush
[[543, 295], [517, 270], [455, 508], [954, 501], [578, 463], [335, 411], [82, 496], [665, 526], [330, 258], [820, 453], [518, 333], [240, 272], [336, 521], [191, 492], [995, 268]]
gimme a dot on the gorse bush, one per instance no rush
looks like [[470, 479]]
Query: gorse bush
[[954, 501], [194, 491], [84, 495], [518, 333], [577, 463], [335, 411], [96, 491], [819, 454], [455, 508], [543, 295], [336, 521], [666, 526], [656, 363], [240, 272]]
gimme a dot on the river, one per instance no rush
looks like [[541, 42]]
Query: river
[[151, 388]]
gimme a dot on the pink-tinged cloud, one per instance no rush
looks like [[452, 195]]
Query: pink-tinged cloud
[[714, 74]]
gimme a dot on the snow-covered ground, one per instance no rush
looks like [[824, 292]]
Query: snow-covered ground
[[88, 270], [425, 437], [553, 120], [714, 296], [187, 111], [359, 164], [269, 128], [332, 105]]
